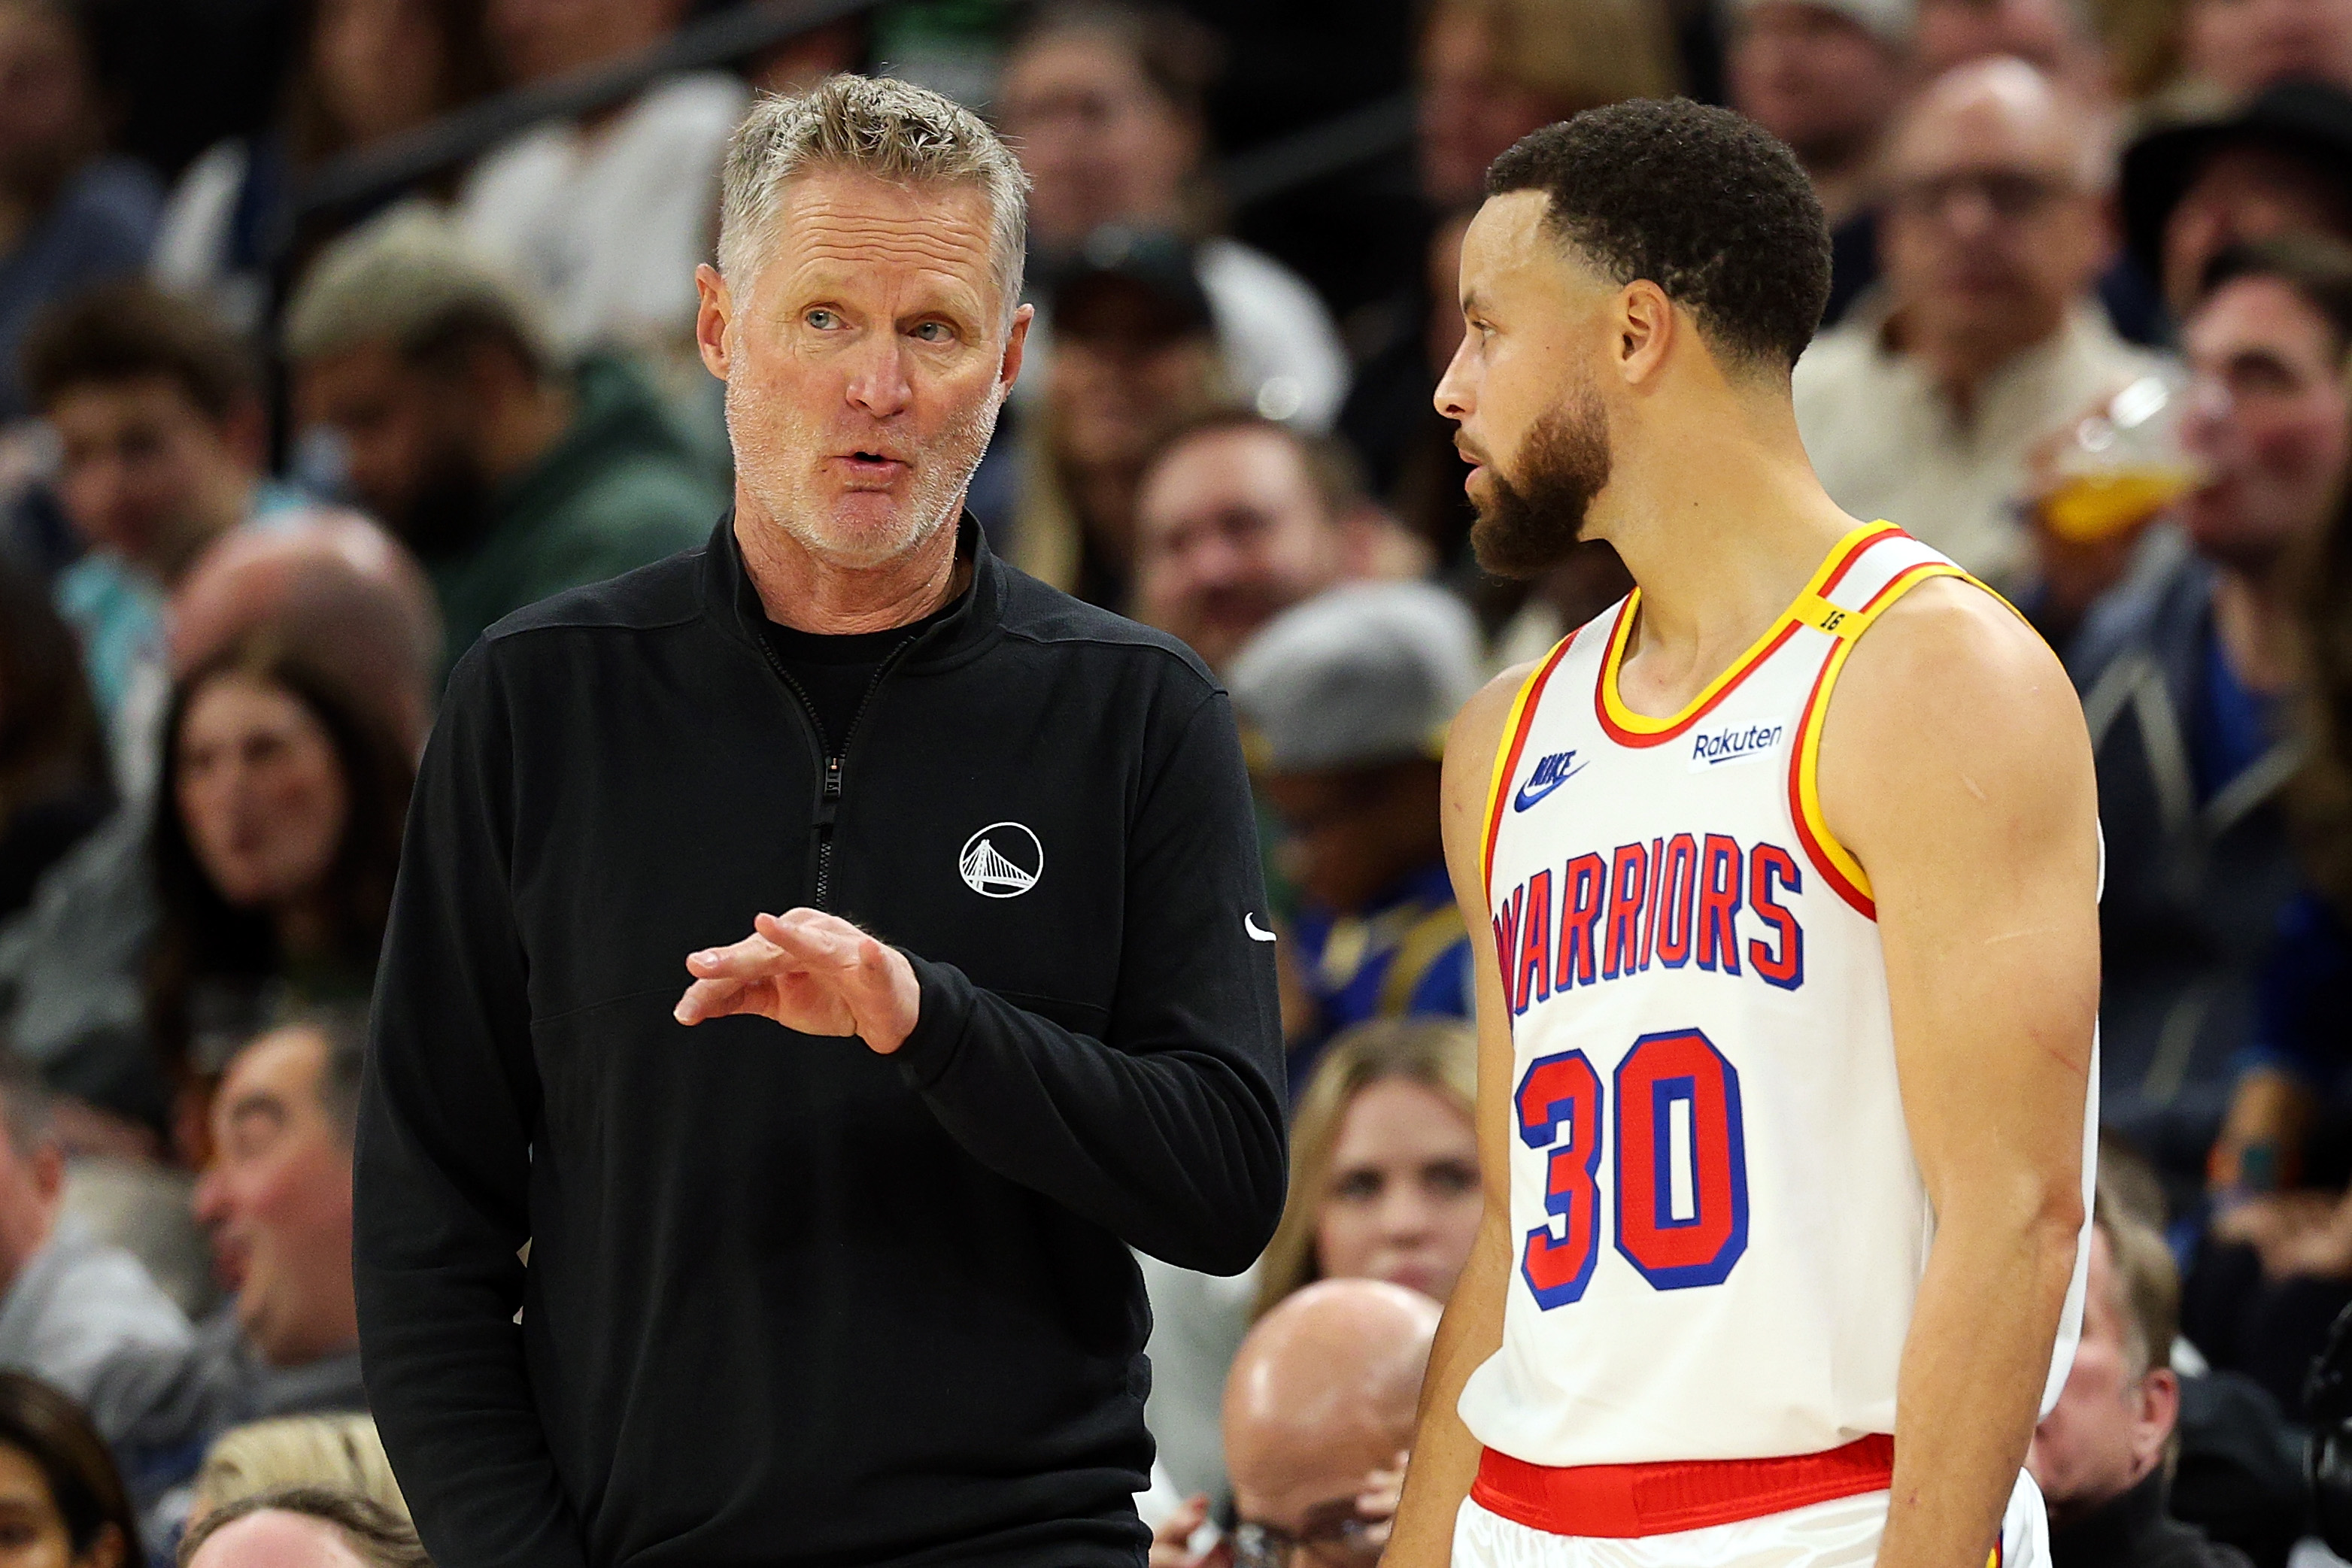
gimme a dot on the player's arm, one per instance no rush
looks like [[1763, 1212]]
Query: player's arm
[[1955, 767], [1444, 1454]]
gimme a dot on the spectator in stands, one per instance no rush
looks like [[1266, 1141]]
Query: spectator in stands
[[1490, 71], [2282, 164], [510, 479], [288, 791], [2057, 38], [1241, 516], [163, 442], [1383, 1185], [1925, 408], [1319, 1418], [69, 217], [2102, 1455], [54, 784], [2186, 671], [276, 1196], [84, 975], [303, 1527], [1487, 72], [339, 1451], [1103, 101], [69, 1305], [364, 70], [63, 1497], [1383, 1163], [1826, 76], [1135, 359], [1348, 696], [608, 215], [2238, 47]]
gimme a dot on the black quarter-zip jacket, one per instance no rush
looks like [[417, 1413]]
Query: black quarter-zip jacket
[[789, 1301]]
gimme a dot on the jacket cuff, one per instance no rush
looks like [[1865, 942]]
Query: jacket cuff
[[946, 1008]]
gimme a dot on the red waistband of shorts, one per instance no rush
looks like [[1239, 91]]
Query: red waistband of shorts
[[1622, 1500]]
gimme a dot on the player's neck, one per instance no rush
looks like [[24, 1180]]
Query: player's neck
[[1722, 523]]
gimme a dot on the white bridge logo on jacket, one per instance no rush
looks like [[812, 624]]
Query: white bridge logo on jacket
[[1004, 860]]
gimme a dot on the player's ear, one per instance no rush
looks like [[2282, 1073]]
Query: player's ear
[[1646, 329]]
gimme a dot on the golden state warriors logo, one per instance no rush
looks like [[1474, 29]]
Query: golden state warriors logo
[[1004, 860]]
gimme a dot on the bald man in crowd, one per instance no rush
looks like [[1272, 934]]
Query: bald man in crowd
[[1985, 335], [1318, 1415]]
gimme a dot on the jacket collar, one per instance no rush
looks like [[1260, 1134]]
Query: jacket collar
[[730, 600]]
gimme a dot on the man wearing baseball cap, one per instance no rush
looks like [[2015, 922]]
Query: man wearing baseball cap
[[1344, 702]]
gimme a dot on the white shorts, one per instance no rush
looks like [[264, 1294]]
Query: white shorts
[[1840, 1533]]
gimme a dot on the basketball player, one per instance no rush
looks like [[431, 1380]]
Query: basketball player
[[1784, 874]]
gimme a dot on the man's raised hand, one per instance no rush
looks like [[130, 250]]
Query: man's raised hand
[[808, 971]]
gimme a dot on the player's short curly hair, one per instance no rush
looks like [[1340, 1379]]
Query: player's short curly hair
[[1702, 202]]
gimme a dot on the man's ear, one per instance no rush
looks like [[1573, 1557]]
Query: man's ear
[[2160, 1412], [714, 309], [1016, 345], [1645, 332]]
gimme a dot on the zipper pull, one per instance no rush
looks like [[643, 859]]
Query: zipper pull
[[829, 798]]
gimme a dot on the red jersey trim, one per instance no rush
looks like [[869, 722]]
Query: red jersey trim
[[1627, 727], [1621, 1502], [1507, 759]]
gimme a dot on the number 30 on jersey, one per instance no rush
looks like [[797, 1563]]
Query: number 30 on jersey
[[1678, 1182]]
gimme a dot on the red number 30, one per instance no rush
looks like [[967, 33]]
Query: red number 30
[[1679, 1181]]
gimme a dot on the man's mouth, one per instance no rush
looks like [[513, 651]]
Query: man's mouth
[[877, 467]]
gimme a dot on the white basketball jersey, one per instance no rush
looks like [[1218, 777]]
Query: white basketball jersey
[[1718, 1225]]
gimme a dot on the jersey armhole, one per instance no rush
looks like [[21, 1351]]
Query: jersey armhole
[[1831, 859], [1506, 756]]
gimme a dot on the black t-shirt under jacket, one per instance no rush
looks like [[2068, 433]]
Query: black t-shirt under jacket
[[789, 1301]]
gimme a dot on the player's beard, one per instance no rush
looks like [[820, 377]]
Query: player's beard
[[771, 448], [1525, 529]]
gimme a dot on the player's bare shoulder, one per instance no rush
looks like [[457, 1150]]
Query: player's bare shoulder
[[1473, 739], [1950, 708]]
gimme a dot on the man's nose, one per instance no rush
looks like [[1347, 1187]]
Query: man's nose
[[878, 380], [1453, 395]]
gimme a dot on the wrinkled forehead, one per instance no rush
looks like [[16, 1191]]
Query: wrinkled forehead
[[843, 227]]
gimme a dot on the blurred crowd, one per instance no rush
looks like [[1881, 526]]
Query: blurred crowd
[[312, 367]]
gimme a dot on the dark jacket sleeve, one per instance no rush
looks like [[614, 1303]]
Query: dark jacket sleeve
[[447, 1109], [1169, 1133]]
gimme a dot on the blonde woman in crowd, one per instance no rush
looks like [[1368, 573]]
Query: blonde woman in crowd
[[1383, 1163], [341, 1452]]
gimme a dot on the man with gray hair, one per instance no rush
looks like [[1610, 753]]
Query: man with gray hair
[[511, 477], [829, 1249]]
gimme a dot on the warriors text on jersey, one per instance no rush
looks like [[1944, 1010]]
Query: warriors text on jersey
[[1717, 1225]]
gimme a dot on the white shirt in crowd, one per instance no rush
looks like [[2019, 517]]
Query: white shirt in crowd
[[1888, 442], [610, 223]]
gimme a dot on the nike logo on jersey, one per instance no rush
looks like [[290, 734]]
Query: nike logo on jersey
[[1256, 933], [1550, 773]]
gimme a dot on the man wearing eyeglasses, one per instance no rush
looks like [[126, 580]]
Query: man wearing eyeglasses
[[1985, 334], [1319, 1414]]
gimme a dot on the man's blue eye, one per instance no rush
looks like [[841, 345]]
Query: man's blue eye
[[822, 320], [932, 332]]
